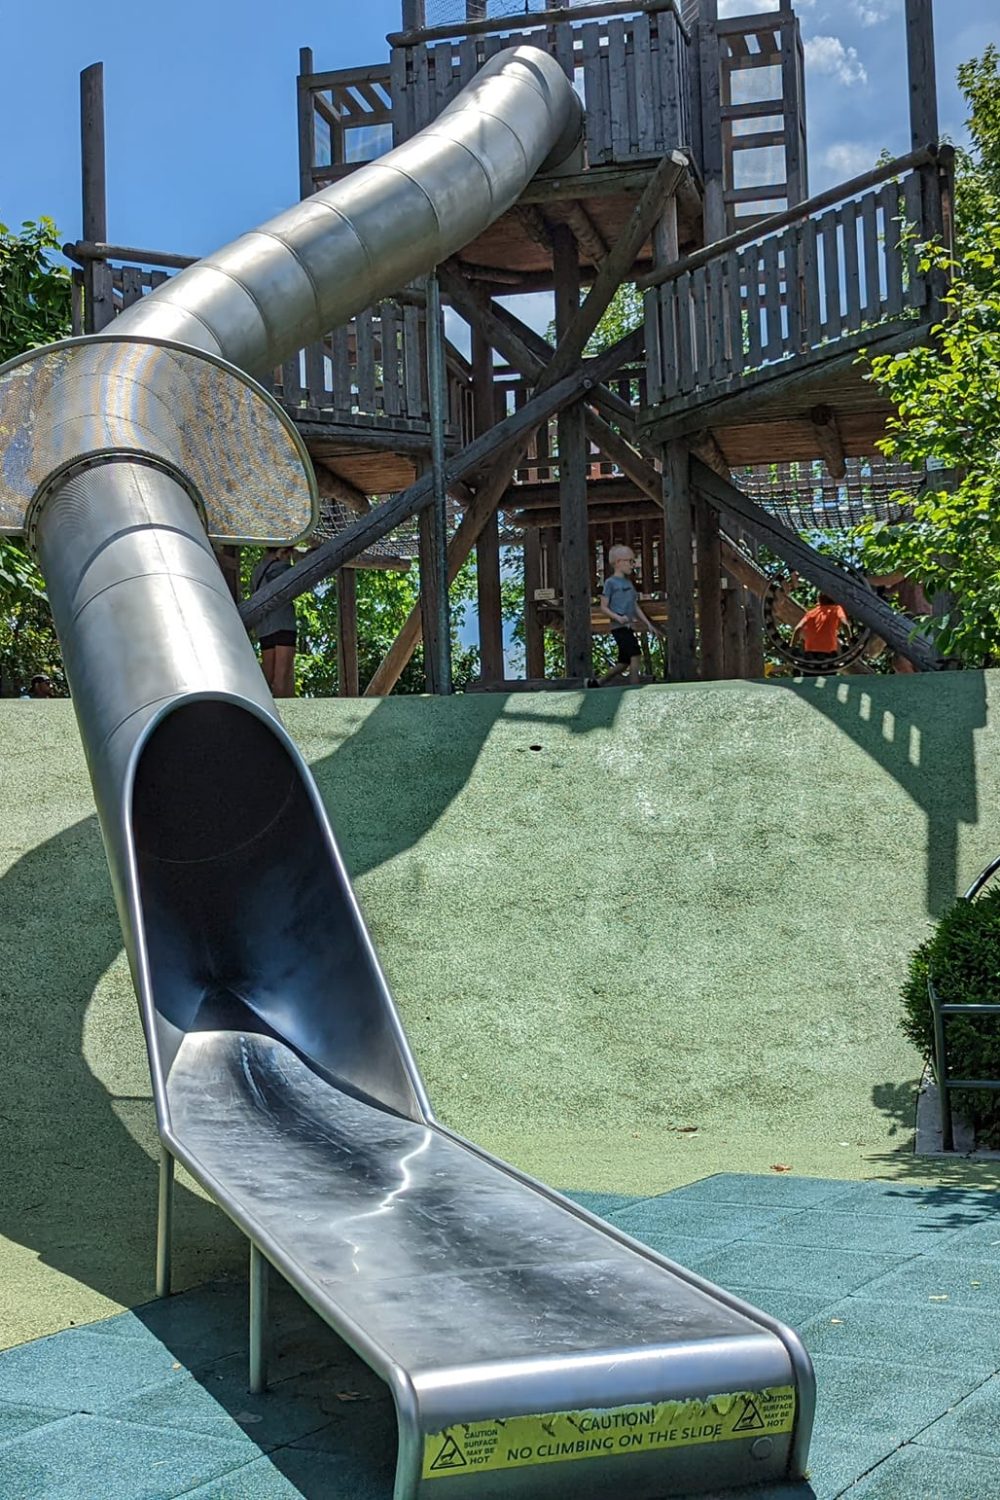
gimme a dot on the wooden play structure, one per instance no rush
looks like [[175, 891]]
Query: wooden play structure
[[736, 409]]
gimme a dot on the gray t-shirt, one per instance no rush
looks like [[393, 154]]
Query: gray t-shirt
[[619, 594], [282, 618]]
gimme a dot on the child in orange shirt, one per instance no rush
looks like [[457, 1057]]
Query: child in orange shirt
[[820, 630]]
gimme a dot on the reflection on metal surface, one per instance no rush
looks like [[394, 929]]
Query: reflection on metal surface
[[281, 1076]]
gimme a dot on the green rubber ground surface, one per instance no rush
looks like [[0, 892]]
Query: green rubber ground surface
[[665, 943]]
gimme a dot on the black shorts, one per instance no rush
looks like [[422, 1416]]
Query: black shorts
[[279, 638], [627, 643]]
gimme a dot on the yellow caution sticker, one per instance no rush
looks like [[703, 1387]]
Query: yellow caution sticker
[[565, 1436]]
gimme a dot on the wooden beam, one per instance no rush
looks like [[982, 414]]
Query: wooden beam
[[597, 515], [412, 35], [382, 519], [618, 264], [574, 538], [678, 570], [347, 633], [709, 561], [733, 632], [429, 552], [831, 445], [588, 237], [707, 449], [894, 628], [535, 226], [332, 487]]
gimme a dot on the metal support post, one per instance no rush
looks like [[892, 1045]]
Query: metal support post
[[259, 1269], [438, 400], [164, 1223]]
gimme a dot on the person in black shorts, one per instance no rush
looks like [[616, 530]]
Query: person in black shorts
[[276, 631], [620, 602]]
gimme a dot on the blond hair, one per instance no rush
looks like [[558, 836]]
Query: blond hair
[[619, 550]]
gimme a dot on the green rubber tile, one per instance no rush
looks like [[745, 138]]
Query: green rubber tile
[[837, 1457], [673, 1212], [686, 1250], [979, 1242], [218, 1404], [905, 1234], [788, 1268], [16, 1420], [954, 1208], [936, 1334], [78, 1371], [605, 1205], [783, 1190], [207, 1323], [892, 1400], [84, 1458], [972, 1425], [944, 1279], [791, 1307], [915, 1473], [292, 1473]]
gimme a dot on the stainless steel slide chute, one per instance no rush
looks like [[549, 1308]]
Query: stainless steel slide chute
[[530, 1349]]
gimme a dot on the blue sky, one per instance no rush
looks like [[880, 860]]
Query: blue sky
[[201, 105]]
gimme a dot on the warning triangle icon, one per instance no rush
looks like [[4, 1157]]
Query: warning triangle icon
[[751, 1419], [452, 1457]]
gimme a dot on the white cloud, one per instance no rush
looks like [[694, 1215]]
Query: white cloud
[[827, 54], [846, 159], [874, 12]]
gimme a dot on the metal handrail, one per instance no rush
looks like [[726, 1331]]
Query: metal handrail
[[940, 1011]]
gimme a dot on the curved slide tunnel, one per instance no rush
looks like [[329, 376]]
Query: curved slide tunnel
[[531, 1350]]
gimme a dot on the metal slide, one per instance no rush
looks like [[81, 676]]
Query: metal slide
[[530, 1349]]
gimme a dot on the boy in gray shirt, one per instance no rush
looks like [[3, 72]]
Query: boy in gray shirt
[[620, 602]]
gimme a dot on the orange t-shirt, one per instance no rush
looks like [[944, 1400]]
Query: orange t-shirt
[[820, 626]]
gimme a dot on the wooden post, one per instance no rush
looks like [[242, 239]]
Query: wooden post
[[228, 559], [712, 157], [430, 589], [348, 683], [414, 18], [534, 635], [307, 130], [734, 631], [491, 658], [754, 650], [709, 553], [98, 301], [573, 449], [678, 545], [793, 96], [921, 73]]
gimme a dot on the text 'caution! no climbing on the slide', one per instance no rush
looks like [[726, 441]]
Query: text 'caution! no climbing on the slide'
[[565, 1436]]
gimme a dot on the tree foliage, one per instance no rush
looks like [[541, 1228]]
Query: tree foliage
[[947, 399], [34, 310]]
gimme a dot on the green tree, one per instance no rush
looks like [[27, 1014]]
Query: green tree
[[34, 310], [947, 400]]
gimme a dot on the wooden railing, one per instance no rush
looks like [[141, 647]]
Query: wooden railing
[[541, 462], [347, 118], [834, 267], [370, 372], [633, 73]]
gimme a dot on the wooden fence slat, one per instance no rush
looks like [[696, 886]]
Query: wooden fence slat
[[642, 87], [669, 326], [392, 389], [291, 382], [564, 48], [716, 313], [468, 60], [916, 284], [751, 273], [827, 230], [400, 95], [343, 396], [315, 376], [891, 228], [654, 351], [618, 91], [443, 66], [852, 273], [791, 292], [413, 362], [871, 257], [809, 268], [594, 65], [734, 312], [421, 88], [685, 349], [700, 306], [630, 93], [772, 298]]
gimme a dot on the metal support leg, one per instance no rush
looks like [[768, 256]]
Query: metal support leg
[[164, 1223], [437, 390], [258, 1321]]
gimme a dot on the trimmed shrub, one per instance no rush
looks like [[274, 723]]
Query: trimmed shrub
[[963, 958]]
